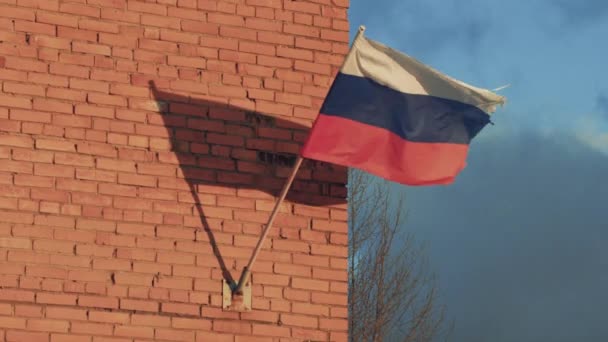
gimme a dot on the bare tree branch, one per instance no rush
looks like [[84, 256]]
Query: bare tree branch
[[391, 294]]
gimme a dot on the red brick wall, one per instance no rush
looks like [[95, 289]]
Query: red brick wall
[[141, 146]]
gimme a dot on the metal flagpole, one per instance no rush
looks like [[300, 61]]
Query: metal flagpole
[[247, 270]]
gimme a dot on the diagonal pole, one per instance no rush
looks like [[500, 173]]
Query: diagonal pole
[[247, 270]]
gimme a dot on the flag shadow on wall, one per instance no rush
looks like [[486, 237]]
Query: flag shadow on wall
[[218, 146]]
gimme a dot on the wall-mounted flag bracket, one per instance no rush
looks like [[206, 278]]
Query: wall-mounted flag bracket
[[231, 301]]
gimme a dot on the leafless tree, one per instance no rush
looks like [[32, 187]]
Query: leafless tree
[[392, 295]]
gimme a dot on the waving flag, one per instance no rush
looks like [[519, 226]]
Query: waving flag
[[392, 116]]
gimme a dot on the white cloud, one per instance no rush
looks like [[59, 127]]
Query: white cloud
[[592, 131]]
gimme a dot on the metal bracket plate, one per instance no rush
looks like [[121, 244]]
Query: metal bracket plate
[[236, 303]]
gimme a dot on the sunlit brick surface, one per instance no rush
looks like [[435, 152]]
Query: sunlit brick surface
[[141, 146]]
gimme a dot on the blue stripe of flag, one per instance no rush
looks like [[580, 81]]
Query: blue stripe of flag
[[416, 118]]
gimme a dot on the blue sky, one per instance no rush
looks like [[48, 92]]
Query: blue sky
[[519, 242]]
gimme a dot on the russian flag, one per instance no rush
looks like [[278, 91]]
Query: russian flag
[[392, 116]]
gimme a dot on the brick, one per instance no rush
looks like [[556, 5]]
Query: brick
[[71, 120], [329, 298], [31, 27], [98, 302], [109, 317], [187, 61], [184, 309], [313, 236], [101, 251], [310, 284], [16, 12], [65, 313], [199, 27], [13, 269], [26, 89], [178, 37], [53, 170], [16, 141], [133, 279], [294, 53], [135, 229], [96, 25], [159, 21], [312, 44], [13, 75], [16, 295], [202, 336], [117, 165], [232, 327], [263, 24], [115, 240], [46, 272], [97, 149], [339, 251], [144, 7], [110, 100], [139, 305], [56, 19], [112, 264], [117, 189], [74, 159], [140, 180], [16, 101], [297, 295], [301, 30], [28, 115], [48, 325], [310, 309], [225, 19], [190, 323], [10, 242], [150, 320], [55, 145], [14, 217], [76, 34], [117, 40], [20, 336], [129, 90], [155, 193], [270, 330], [40, 78], [275, 38], [69, 70], [10, 126], [174, 283], [109, 75], [186, 13], [69, 338], [331, 226], [80, 9], [308, 334], [12, 323], [91, 328], [176, 257], [174, 335], [300, 320], [261, 316], [130, 331], [54, 246], [57, 299], [120, 15], [90, 85]]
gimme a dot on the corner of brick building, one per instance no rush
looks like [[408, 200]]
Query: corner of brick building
[[142, 146]]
